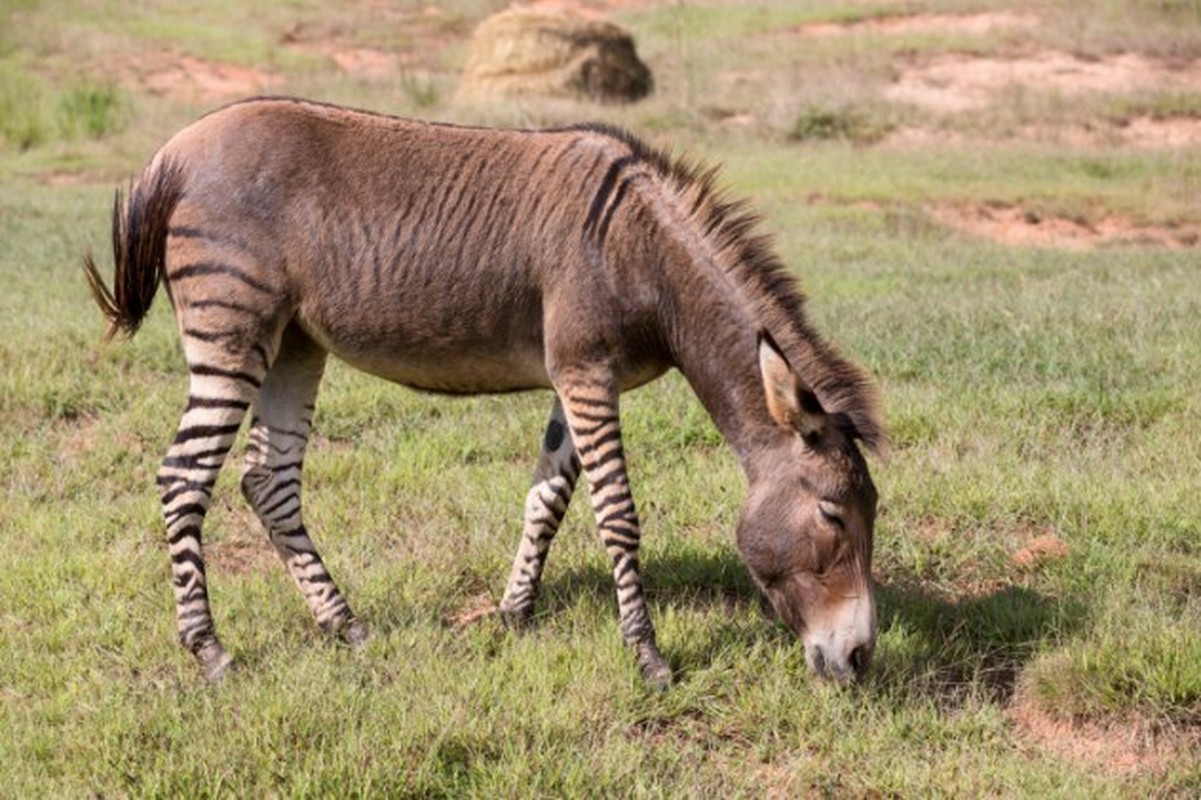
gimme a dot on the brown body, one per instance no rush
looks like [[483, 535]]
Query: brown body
[[469, 260]]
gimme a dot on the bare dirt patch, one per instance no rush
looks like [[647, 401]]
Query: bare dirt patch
[[244, 548], [972, 24], [1157, 133], [196, 80], [82, 435], [1019, 226], [1047, 547], [1123, 748], [951, 83], [425, 35], [1143, 133], [473, 609]]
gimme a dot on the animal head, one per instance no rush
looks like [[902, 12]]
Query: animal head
[[806, 530]]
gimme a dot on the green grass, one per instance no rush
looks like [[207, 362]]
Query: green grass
[[1029, 391]]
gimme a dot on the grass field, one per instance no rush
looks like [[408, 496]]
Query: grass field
[[1021, 273]]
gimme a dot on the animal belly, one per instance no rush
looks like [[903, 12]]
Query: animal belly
[[454, 373], [452, 367]]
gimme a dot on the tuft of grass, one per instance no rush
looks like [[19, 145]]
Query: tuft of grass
[[91, 110], [23, 119], [850, 124], [34, 113]]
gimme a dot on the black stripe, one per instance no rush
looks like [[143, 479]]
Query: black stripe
[[562, 492], [609, 502], [625, 547], [291, 433], [206, 336], [226, 304], [624, 566], [602, 194], [546, 520], [216, 402], [622, 524], [211, 268], [591, 430], [603, 230], [628, 516], [190, 232], [206, 369], [171, 516], [205, 432], [279, 487], [183, 533], [283, 501], [588, 402], [287, 465], [589, 416], [589, 448], [608, 478], [635, 597], [188, 557], [190, 460], [184, 488]]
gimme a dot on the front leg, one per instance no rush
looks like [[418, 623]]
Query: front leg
[[590, 404], [545, 504]]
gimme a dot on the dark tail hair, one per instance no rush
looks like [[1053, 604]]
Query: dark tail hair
[[139, 248]]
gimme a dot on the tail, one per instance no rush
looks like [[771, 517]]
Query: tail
[[139, 248]]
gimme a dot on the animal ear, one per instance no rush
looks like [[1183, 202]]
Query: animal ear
[[790, 402]]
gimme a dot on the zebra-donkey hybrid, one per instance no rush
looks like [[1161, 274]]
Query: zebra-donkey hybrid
[[465, 260]]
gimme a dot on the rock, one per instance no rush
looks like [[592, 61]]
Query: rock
[[553, 52]]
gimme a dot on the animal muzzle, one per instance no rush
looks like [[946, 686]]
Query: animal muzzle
[[841, 647]]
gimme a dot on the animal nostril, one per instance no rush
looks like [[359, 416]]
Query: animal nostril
[[819, 661], [861, 658]]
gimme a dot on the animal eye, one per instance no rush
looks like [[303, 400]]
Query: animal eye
[[831, 514]]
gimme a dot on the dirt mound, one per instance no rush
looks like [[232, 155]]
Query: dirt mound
[[553, 52], [955, 82], [1019, 226]]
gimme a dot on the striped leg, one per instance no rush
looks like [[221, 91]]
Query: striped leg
[[217, 402], [592, 414], [279, 433], [545, 504]]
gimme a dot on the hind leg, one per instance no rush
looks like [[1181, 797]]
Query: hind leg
[[279, 433], [220, 391], [545, 504]]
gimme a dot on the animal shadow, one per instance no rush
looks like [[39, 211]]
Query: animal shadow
[[930, 645]]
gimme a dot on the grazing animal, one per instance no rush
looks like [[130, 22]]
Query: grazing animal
[[466, 260]]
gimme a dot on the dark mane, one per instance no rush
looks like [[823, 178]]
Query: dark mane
[[768, 289]]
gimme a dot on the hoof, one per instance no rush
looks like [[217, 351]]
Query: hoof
[[215, 662], [355, 634], [654, 668], [516, 619]]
